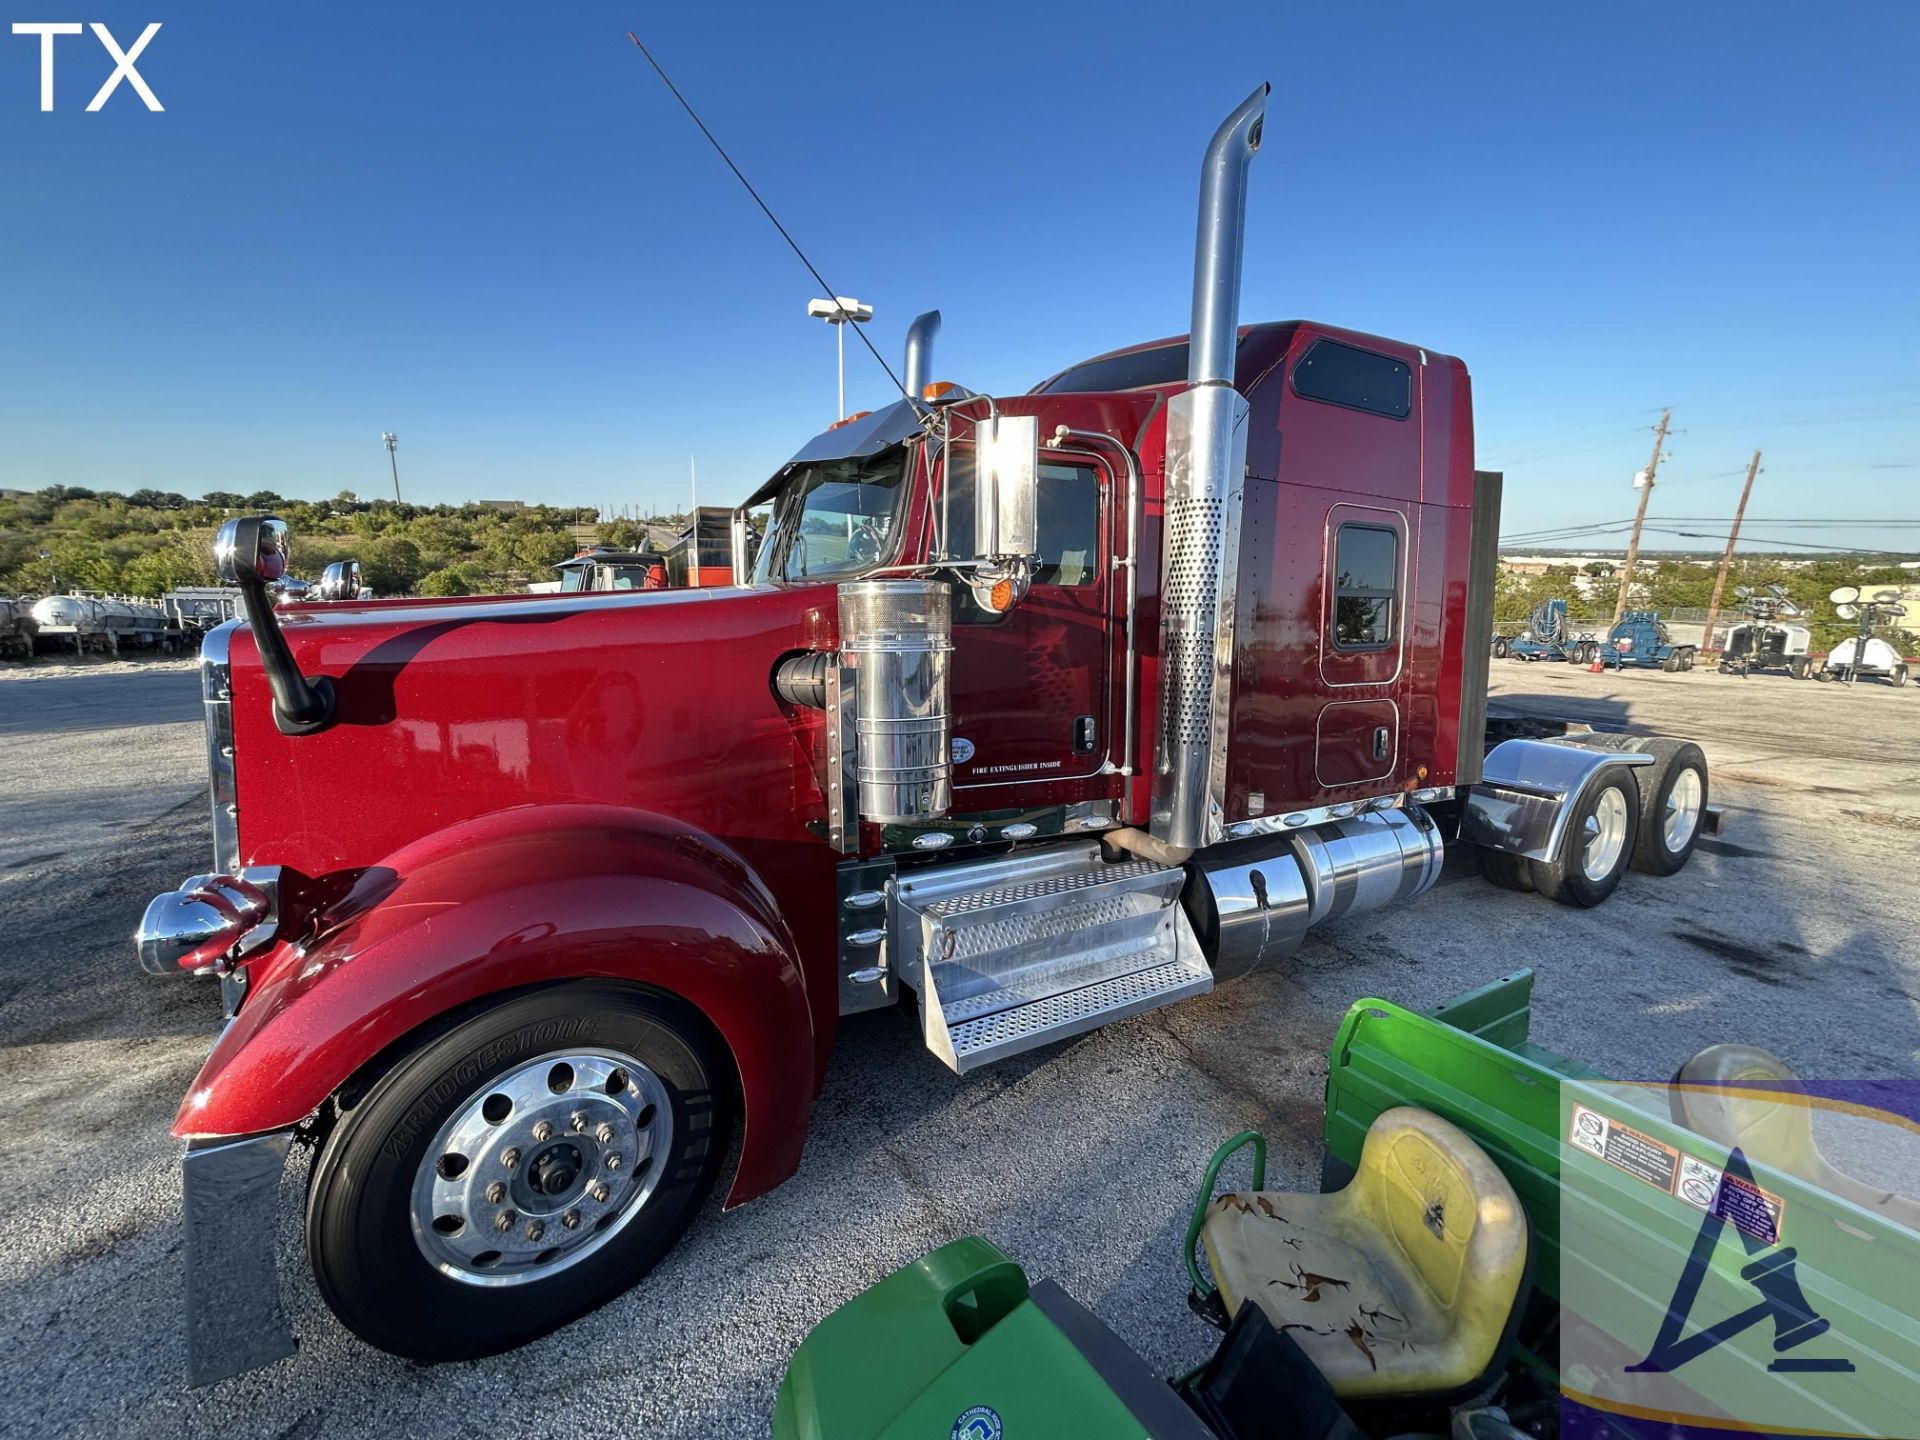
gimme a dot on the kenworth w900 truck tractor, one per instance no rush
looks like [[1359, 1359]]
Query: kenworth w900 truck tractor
[[1032, 713]]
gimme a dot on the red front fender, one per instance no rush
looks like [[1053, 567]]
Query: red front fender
[[524, 897]]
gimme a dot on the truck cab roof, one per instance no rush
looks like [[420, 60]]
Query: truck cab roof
[[1162, 364]]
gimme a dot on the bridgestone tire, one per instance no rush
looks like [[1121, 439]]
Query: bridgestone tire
[[1686, 659], [1564, 878], [1501, 649], [1672, 758], [1671, 664], [1898, 675], [1509, 872], [369, 1267]]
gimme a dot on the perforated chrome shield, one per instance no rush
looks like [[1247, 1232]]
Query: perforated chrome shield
[[1206, 460]]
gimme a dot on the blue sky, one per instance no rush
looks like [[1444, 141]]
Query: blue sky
[[488, 228]]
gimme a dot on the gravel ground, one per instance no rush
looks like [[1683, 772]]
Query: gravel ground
[[1797, 929]]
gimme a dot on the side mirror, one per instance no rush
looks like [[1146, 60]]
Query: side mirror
[[340, 581], [1006, 495], [251, 554], [251, 549]]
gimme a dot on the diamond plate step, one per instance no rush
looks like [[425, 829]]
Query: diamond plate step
[[1017, 952]]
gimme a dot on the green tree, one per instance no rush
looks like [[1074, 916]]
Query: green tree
[[182, 562], [623, 534], [391, 565], [224, 500], [466, 578], [525, 547]]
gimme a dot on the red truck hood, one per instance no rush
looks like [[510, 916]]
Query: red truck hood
[[450, 709]]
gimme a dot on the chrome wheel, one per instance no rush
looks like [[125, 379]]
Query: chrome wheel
[[1683, 810], [1603, 835], [541, 1167]]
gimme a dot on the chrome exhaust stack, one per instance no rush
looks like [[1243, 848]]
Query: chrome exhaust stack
[[1206, 459], [920, 353]]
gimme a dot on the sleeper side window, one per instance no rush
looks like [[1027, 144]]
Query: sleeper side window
[[1339, 374], [1366, 580]]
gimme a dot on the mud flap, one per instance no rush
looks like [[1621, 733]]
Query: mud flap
[[231, 1193]]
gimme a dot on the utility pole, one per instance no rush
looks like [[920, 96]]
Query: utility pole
[[393, 440], [1726, 560], [1639, 519]]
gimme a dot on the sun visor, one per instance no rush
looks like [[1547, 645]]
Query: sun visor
[[868, 435]]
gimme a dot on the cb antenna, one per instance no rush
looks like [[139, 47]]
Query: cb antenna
[[766, 209]]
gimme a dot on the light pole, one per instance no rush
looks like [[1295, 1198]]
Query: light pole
[[837, 312], [392, 440], [53, 580]]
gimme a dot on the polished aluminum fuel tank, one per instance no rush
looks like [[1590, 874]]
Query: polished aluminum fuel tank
[[1256, 899], [898, 636]]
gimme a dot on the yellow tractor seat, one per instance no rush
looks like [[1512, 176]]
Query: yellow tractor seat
[[1743, 1096], [1405, 1283]]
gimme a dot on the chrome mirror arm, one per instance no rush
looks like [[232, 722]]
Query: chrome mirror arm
[[249, 553]]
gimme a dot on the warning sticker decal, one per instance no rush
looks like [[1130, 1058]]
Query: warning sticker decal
[[1705, 1187], [1747, 1207], [1699, 1183], [1624, 1148]]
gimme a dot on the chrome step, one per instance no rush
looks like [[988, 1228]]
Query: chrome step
[[1020, 951]]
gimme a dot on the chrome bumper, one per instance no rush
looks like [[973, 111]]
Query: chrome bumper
[[231, 1190]]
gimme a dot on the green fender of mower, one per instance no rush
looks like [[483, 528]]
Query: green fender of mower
[[958, 1344]]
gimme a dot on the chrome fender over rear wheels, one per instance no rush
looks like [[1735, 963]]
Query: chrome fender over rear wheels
[[1597, 844]]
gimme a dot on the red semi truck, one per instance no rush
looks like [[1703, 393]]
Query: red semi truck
[[1032, 712]]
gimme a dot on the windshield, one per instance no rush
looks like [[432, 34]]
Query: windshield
[[837, 517]]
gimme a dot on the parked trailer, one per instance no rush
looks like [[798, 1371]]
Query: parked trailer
[[1865, 653], [1642, 640], [1033, 712], [195, 609], [78, 618], [101, 623], [17, 629], [1762, 641], [1548, 637]]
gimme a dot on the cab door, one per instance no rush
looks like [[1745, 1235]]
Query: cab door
[[1032, 700]]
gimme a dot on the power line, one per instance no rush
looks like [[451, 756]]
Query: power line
[[1797, 544], [766, 209]]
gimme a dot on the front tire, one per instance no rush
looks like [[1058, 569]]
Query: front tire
[[1597, 845], [517, 1170], [1898, 675]]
